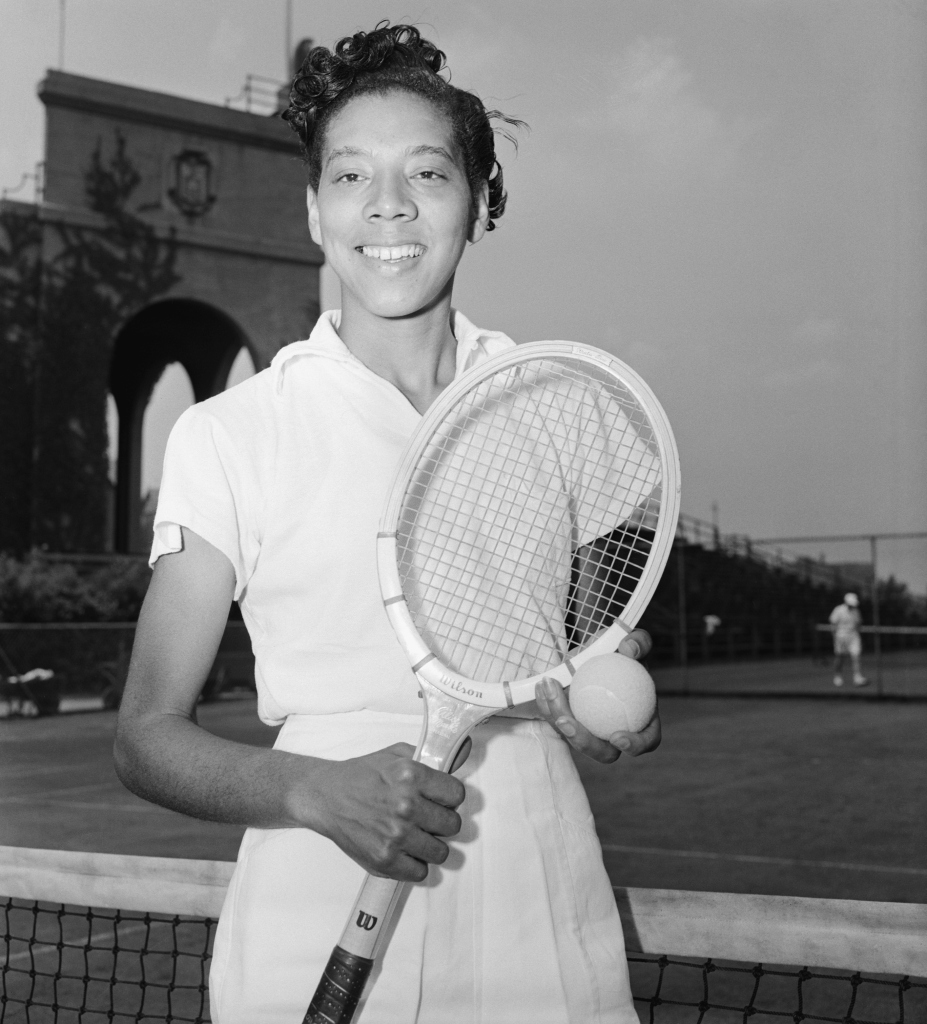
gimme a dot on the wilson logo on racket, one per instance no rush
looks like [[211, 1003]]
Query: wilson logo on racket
[[455, 685], [366, 921]]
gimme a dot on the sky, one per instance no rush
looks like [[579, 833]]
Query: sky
[[730, 195]]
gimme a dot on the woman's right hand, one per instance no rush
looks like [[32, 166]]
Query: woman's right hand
[[385, 810]]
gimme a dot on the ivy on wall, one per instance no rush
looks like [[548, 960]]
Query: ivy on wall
[[20, 236], [20, 269], [118, 269], [86, 284]]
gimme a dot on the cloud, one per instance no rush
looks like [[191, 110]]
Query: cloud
[[817, 331], [654, 106], [227, 46], [644, 357], [482, 54], [808, 357], [820, 373]]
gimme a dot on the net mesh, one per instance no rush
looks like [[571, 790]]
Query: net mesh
[[66, 963], [686, 990], [530, 518]]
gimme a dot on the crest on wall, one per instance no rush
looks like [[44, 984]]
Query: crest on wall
[[191, 191]]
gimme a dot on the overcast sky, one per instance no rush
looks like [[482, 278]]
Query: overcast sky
[[730, 195]]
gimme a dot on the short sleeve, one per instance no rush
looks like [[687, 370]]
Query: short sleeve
[[211, 486]]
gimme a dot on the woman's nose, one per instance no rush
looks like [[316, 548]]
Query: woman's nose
[[390, 198]]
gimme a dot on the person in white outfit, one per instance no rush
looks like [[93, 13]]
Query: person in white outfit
[[270, 496], [848, 644]]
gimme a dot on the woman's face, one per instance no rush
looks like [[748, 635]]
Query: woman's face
[[393, 211]]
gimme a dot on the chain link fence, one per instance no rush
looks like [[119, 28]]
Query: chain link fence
[[48, 666]]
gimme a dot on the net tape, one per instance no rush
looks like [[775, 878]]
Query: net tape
[[64, 962], [529, 519]]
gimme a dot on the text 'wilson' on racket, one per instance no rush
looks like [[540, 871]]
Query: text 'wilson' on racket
[[528, 525]]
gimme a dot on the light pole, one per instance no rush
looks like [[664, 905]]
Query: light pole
[[681, 601], [61, 25], [873, 548]]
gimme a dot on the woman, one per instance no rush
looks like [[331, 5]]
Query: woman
[[271, 496]]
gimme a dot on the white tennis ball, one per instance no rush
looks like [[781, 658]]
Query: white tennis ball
[[612, 693]]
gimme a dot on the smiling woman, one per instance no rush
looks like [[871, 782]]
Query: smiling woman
[[402, 174], [392, 218], [271, 496]]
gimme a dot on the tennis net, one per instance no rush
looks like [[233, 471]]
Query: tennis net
[[95, 937]]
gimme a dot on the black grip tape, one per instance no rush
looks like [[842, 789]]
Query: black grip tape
[[340, 989]]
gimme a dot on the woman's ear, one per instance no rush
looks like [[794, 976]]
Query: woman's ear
[[480, 215], [312, 206]]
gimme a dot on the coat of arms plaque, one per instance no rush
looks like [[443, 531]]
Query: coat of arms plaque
[[191, 191]]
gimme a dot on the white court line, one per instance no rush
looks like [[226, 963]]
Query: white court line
[[82, 805], [42, 794], [38, 949], [746, 858], [32, 770]]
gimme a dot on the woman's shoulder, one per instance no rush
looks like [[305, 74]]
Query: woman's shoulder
[[253, 397], [239, 419]]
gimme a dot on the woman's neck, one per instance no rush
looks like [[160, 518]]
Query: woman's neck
[[417, 354]]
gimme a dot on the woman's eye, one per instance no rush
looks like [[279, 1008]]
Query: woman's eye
[[430, 175], [348, 177]]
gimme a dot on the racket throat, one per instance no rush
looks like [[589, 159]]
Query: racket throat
[[448, 722]]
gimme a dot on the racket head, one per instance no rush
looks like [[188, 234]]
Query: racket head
[[529, 521]]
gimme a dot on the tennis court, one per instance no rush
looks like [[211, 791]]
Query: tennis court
[[900, 675], [818, 799]]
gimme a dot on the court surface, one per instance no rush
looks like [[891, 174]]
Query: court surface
[[903, 677], [781, 796]]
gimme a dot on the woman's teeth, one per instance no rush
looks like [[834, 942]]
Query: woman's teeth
[[391, 253]]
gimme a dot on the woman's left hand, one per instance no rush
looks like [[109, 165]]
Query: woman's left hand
[[555, 708]]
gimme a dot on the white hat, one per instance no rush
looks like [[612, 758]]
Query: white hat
[[851, 599]]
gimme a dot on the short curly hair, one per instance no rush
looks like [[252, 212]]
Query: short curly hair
[[395, 57]]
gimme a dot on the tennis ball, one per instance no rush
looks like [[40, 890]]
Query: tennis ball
[[612, 693]]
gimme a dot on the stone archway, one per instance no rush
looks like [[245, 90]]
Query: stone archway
[[205, 341], [129, 250]]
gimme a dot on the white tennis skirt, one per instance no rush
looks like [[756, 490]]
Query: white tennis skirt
[[518, 926]]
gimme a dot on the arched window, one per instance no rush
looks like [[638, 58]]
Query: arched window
[[168, 356], [171, 395], [242, 368]]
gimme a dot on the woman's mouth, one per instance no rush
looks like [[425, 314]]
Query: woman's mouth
[[391, 253]]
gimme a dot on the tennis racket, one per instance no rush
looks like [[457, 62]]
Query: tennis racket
[[528, 525]]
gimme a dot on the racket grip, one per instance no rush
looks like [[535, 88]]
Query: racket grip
[[340, 989]]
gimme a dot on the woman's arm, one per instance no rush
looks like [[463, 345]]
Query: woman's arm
[[384, 810]]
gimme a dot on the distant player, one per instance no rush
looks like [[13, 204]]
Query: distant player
[[845, 619]]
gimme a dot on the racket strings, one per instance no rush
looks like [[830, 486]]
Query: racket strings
[[528, 522]]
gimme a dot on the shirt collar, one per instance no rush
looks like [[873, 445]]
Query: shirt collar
[[473, 345]]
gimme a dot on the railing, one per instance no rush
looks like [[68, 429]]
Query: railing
[[36, 177], [691, 530], [259, 95]]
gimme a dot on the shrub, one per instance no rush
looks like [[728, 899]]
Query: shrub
[[37, 589]]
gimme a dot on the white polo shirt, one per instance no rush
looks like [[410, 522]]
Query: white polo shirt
[[845, 620], [287, 475]]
